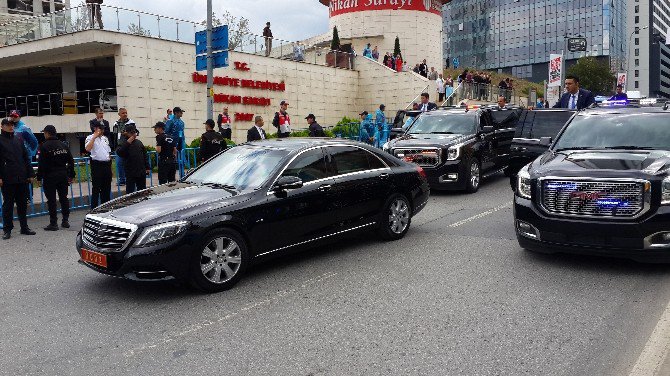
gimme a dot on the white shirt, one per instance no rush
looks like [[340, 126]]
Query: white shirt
[[101, 149], [576, 95], [424, 107], [440, 85], [260, 132]]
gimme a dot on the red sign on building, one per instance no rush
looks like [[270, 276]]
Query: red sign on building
[[338, 7]]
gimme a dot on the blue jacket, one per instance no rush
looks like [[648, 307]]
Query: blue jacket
[[584, 100], [25, 134], [367, 129], [367, 52], [175, 129]]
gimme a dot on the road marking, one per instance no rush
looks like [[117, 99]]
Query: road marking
[[209, 323], [656, 350], [480, 215]]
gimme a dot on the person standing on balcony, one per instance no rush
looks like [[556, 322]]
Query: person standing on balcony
[[99, 118], [175, 128], [433, 74], [367, 51], [56, 171], [167, 154], [101, 165], [423, 68], [24, 134], [119, 139], [15, 175], [225, 124], [375, 53], [94, 12], [282, 121], [267, 33], [137, 163]]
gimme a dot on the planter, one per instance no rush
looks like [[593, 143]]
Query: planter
[[338, 59]]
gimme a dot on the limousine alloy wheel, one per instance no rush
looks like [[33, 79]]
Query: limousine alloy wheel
[[395, 219], [219, 262]]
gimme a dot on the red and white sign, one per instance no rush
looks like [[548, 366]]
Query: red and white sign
[[555, 70], [621, 80], [338, 7]]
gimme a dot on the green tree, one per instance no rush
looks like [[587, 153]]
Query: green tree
[[594, 75], [396, 48], [239, 33], [335, 43]]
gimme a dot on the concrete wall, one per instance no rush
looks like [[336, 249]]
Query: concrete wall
[[153, 75]]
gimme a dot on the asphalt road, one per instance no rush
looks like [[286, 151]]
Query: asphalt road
[[457, 296]]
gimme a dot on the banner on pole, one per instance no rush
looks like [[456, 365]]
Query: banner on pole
[[553, 95], [555, 67], [621, 80]]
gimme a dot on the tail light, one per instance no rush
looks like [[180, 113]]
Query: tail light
[[421, 172]]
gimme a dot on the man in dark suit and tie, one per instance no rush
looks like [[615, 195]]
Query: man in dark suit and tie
[[425, 105], [256, 132], [575, 98]]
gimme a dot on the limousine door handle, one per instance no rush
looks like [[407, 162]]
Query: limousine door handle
[[325, 187], [384, 176]]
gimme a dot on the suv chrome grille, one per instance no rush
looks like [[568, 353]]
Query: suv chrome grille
[[106, 235], [593, 198], [424, 157]]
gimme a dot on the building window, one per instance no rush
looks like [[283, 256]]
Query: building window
[[637, 41], [637, 9], [637, 73], [637, 52], [637, 19], [637, 84], [637, 62]]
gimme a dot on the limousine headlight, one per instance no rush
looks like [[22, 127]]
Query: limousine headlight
[[665, 192], [160, 233], [523, 183]]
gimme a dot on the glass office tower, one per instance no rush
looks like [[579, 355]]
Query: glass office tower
[[517, 36]]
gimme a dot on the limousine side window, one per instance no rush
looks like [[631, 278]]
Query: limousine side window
[[308, 166], [348, 159]]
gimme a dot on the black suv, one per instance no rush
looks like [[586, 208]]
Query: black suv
[[535, 131], [456, 147], [602, 188]]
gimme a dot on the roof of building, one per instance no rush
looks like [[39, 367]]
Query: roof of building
[[327, 2]]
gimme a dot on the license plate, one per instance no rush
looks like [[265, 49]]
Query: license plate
[[94, 258]]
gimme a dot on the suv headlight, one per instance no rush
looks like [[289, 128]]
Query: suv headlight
[[160, 233], [523, 183], [453, 152], [665, 192]]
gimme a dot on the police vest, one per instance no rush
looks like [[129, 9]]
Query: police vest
[[284, 119]]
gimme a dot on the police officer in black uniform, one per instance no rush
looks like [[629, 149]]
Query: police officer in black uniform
[[167, 151], [211, 142], [15, 174], [56, 171]]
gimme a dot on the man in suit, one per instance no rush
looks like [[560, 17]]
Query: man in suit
[[425, 105], [256, 132], [575, 97]]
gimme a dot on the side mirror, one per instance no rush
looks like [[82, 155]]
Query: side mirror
[[545, 141], [487, 129], [287, 182]]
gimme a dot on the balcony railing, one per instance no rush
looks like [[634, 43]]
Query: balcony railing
[[74, 102], [128, 21]]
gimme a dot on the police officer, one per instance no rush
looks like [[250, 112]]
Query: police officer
[[167, 153], [15, 173], [56, 171], [211, 142]]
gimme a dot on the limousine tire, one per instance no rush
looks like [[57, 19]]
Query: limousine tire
[[395, 218], [219, 261]]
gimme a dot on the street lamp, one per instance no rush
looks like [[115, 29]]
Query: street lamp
[[629, 57]]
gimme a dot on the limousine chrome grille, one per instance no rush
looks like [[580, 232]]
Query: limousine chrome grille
[[593, 197], [106, 235], [424, 157]]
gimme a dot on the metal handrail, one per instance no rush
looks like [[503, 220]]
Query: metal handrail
[[415, 98]]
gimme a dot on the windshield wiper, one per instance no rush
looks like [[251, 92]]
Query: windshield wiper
[[219, 185], [576, 148], [442, 133], [630, 147]]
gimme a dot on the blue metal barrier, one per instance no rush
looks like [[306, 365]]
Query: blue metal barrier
[[80, 189]]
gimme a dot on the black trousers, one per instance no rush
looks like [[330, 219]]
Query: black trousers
[[283, 135], [134, 183], [440, 98], [101, 182], [167, 170], [51, 186], [14, 194]]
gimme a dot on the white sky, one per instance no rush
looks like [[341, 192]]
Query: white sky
[[291, 19]]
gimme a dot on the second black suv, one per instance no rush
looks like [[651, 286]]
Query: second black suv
[[457, 147]]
